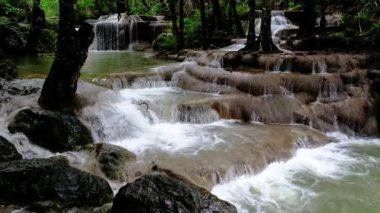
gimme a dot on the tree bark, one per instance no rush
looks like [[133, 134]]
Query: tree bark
[[204, 24], [127, 8], [266, 40], [216, 20], [236, 18], [180, 37], [323, 16], [120, 8], [174, 18], [252, 44], [38, 24], [58, 92], [307, 27]]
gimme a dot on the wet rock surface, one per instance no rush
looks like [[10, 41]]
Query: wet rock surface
[[8, 152], [52, 130], [24, 182], [112, 160], [311, 89], [8, 69], [160, 193]]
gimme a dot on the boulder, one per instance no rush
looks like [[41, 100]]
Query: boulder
[[232, 59], [112, 159], [8, 69], [24, 182], [7, 151], [12, 39], [52, 130], [142, 46], [160, 193]]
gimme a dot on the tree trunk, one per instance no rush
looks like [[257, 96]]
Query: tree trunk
[[217, 14], [120, 8], [38, 24], [127, 8], [180, 37], [323, 16], [60, 86], [307, 27], [216, 20], [236, 18], [173, 15], [266, 40], [252, 43], [204, 24]]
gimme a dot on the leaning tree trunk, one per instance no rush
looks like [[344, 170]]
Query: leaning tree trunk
[[236, 18], [252, 44], [58, 92], [322, 25], [307, 26], [266, 40], [181, 36], [204, 24], [38, 24]]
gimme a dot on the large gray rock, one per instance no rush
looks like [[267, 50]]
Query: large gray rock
[[55, 131], [7, 151], [8, 69], [112, 159], [25, 182], [160, 193]]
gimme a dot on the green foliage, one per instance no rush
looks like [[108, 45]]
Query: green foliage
[[363, 17], [51, 8], [86, 9], [166, 42], [106, 7], [9, 9], [47, 41], [193, 30], [375, 29], [242, 10], [294, 5], [158, 8]]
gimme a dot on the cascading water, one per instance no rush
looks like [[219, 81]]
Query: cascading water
[[326, 179], [243, 163], [319, 67], [280, 26], [133, 30], [109, 33], [283, 65]]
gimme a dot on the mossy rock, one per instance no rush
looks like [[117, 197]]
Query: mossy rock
[[55, 131], [112, 159]]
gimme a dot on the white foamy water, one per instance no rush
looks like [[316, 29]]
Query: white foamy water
[[303, 183], [129, 122]]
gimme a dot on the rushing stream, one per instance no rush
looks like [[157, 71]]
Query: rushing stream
[[218, 154], [257, 167]]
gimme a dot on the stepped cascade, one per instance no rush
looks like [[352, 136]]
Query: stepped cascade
[[194, 117]]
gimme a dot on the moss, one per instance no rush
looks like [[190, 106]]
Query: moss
[[47, 41]]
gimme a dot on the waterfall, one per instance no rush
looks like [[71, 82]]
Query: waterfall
[[109, 33], [319, 66], [283, 64], [198, 114], [279, 26], [133, 30]]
